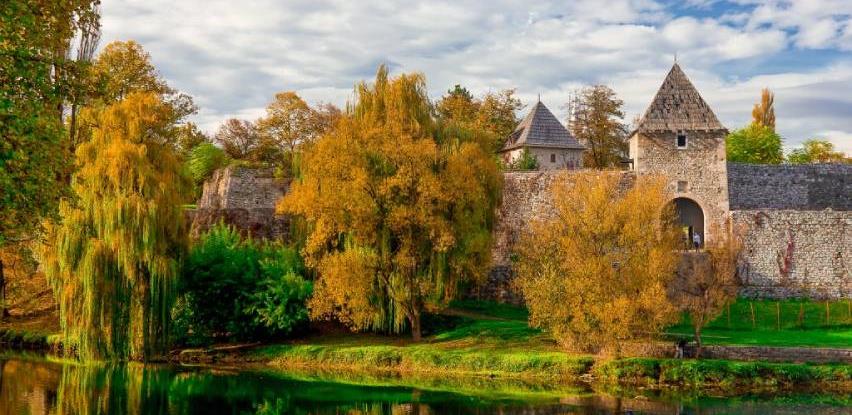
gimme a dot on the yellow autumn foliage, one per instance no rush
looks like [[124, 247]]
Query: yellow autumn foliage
[[398, 208], [596, 273], [113, 259]]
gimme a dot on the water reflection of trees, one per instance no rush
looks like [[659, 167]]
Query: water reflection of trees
[[39, 387]]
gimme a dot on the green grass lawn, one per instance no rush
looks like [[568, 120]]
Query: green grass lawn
[[468, 339], [786, 323], [486, 339]]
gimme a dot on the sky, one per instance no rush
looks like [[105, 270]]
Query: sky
[[233, 56]]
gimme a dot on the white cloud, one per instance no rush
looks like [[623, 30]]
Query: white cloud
[[233, 56]]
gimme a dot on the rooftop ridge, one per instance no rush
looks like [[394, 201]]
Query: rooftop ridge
[[678, 106], [540, 128]]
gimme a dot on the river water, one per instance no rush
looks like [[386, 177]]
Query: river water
[[36, 385]]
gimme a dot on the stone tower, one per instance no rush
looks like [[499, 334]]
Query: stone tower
[[680, 138]]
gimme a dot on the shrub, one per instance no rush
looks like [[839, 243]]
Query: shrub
[[239, 289], [203, 160], [526, 161]]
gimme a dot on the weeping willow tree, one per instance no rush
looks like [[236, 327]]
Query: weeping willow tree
[[113, 259], [398, 205]]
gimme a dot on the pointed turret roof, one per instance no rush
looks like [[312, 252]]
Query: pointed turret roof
[[540, 128], [678, 106]]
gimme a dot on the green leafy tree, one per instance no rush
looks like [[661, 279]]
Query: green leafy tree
[[399, 208], [35, 83], [756, 144], [203, 160], [493, 115], [497, 115], [817, 151], [527, 161], [113, 259]]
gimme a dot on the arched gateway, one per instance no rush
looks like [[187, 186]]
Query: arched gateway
[[680, 138], [691, 219]]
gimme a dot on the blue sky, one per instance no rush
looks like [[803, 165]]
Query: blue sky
[[232, 56]]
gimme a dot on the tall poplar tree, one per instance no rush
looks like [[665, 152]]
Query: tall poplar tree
[[113, 259], [763, 112]]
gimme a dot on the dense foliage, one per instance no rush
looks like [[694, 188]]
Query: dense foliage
[[754, 144], [527, 161], [239, 289], [37, 78], [596, 120], [203, 160], [289, 125], [596, 273], [817, 151], [494, 115], [113, 259], [124, 67], [399, 206]]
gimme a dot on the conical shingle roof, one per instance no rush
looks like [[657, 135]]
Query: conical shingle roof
[[678, 107], [540, 128]]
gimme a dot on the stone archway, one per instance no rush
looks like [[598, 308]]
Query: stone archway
[[690, 216]]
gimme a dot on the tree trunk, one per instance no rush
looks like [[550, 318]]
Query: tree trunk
[[753, 322], [4, 310], [697, 330], [414, 319]]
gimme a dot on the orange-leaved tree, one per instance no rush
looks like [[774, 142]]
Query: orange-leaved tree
[[595, 273], [398, 206]]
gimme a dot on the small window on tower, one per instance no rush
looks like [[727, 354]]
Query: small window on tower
[[553, 158], [681, 140]]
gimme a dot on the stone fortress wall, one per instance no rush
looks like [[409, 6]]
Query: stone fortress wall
[[792, 187], [797, 222], [797, 225], [244, 197]]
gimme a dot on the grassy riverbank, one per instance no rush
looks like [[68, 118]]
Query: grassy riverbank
[[494, 341], [788, 323]]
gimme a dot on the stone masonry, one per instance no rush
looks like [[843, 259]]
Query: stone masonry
[[791, 253], [245, 198], [792, 187]]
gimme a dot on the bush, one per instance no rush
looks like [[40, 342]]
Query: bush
[[526, 161], [203, 160], [238, 289]]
